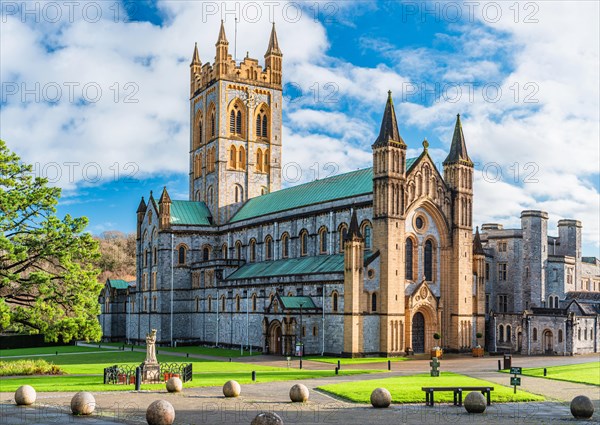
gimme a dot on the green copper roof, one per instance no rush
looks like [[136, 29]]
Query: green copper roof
[[190, 212], [294, 266], [296, 302], [117, 283], [342, 186]]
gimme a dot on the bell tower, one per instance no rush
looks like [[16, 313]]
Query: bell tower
[[389, 179], [457, 296], [235, 114]]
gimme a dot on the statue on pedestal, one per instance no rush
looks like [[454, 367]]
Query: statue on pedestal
[[151, 368]]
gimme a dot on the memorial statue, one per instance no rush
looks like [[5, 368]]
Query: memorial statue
[[151, 347]]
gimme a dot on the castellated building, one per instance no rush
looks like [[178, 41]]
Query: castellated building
[[371, 262], [542, 296]]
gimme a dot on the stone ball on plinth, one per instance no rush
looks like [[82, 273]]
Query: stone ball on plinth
[[380, 397], [174, 385], [582, 407], [25, 395], [299, 393], [160, 412], [231, 389], [475, 402], [83, 403], [267, 418]]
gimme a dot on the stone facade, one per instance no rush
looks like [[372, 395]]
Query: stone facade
[[542, 296], [381, 258]]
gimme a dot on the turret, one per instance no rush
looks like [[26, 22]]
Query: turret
[[141, 211], [273, 58], [353, 288], [195, 71], [164, 209], [221, 58]]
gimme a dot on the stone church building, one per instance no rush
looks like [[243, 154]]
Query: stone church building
[[371, 262]]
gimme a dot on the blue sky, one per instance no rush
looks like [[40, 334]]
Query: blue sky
[[527, 94]]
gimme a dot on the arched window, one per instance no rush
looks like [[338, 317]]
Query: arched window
[[237, 303], [334, 301], [198, 165], [209, 196], [224, 251], [232, 121], [223, 303], [253, 302], [241, 158], [181, 252], [374, 301], [238, 250], [238, 123], [366, 232], [508, 329], [239, 193], [206, 253], [428, 261], [252, 250], [266, 162], [269, 248], [259, 160], [535, 334], [408, 263], [209, 303], [285, 245], [154, 303], [501, 333], [315, 331], [213, 123], [197, 304], [323, 233], [560, 335], [145, 303], [343, 232], [264, 126], [232, 157], [303, 243], [235, 120]]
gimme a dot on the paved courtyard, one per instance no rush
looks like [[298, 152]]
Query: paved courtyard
[[208, 406]]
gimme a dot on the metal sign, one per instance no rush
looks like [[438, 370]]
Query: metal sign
[[514, 381], [516, 370]]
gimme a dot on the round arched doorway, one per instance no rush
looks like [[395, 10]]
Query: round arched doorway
[[275, 338], [418, 333], [548, 341]]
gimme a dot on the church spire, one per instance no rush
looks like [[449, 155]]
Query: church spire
[[458, 149], [273, 48], [354, 230], [389, 126], [164, 197], [196, 56], [142, 206], [222, 38]]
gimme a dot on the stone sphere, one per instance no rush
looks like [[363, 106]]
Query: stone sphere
[[160, 412], [174, 385], [231, 389], [582, 407], [475, 402], [299, 393], [25, 395], [83, 403], [380, 397], [267, 418]]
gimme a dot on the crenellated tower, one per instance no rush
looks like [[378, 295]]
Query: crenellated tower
[[235, 137], [389, 179], [457, 289]]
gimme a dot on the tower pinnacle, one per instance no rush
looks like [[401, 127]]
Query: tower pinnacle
[[458, 149], [273, 48], [389, 126]]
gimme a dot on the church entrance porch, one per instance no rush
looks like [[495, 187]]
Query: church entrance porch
[[418, 333], [548, 341], [275, 339]]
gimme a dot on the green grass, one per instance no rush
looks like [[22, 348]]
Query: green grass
[[360, 360], [24, 352], [407, 389], [88, 369], [193, 349], [584, 373]]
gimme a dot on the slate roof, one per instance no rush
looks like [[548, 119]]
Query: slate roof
[[589, 260], [190, 213], [117, 283], [342, 186], [295, 266]]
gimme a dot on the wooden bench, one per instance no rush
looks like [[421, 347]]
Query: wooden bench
[[457, 393]]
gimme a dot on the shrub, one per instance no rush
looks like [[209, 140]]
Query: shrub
[[28, 367]]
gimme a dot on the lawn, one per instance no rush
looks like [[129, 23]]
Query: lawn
[[84, 372], [407, 389], [25, 352], [584, 373], [194, 349], [358, 360]]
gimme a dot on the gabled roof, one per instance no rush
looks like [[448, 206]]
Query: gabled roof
[[190, 213], [117, 283], [354, 183], [295, 266], [294, 303]]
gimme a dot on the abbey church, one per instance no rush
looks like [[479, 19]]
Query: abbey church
[[371, 262]]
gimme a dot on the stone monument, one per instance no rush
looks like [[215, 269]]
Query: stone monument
[[150, 367]]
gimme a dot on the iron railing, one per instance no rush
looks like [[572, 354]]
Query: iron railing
[[126, 374]]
